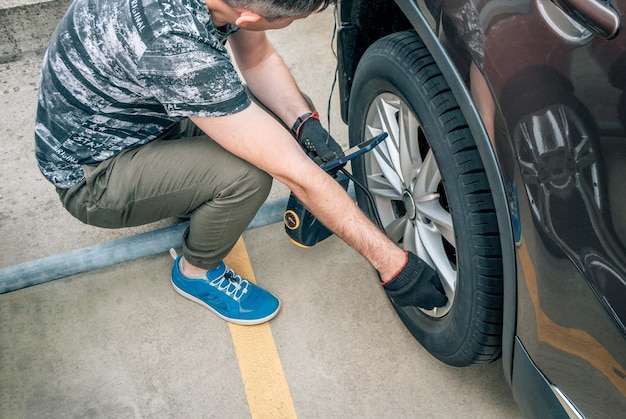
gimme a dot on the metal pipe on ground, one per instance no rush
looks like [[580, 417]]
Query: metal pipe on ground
[[117, 251]]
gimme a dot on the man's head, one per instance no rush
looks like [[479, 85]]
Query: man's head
[[272, 10]]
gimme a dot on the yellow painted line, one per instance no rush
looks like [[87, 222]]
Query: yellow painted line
[[261, 370]]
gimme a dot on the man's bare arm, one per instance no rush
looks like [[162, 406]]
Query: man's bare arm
[[256, 137], [267, 76]]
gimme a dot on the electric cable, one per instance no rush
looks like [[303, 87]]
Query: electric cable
[[368, 194], [336, 73]]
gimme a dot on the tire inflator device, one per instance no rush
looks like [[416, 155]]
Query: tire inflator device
[[303, 229]]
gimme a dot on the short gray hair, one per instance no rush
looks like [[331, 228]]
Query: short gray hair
[[277, 9]]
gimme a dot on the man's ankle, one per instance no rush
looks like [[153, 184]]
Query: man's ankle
[[190, 271]]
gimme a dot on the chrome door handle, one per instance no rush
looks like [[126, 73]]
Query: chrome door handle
[[596, 15]]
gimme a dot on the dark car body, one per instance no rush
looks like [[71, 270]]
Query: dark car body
[[541, 85]]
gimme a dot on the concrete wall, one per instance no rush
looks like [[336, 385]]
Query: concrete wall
[[26, 26]]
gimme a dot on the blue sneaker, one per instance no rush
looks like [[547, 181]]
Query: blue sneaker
[[228, 295]]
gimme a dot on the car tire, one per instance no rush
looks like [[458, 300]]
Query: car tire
[[431, 194]]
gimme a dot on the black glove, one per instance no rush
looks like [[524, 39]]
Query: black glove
[[417, 284], [315, 140]]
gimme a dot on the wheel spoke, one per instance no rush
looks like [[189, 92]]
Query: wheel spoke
[[448, 277], [428, 177], [437, 256], [381, 156], [410, 159], [396, 229], [440, 218], [387, 154], [378, 185], [412, 243], [387, 108]]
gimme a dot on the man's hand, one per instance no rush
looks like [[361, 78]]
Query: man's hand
[[315, 140], [416, 284]]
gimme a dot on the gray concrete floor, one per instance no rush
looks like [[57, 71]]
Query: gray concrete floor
[[119, 342]]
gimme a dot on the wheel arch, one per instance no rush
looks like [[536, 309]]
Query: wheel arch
[[416, 20]]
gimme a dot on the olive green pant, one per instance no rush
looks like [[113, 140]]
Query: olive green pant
[[182, 173]]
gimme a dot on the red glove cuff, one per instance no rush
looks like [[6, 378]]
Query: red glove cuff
[[406, 260], [301, 120]]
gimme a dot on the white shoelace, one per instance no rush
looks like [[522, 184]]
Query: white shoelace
[[231, 284]]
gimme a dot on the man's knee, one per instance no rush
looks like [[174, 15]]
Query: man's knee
[[257, 181], [244, 182]]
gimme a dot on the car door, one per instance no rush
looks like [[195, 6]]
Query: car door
[[554, 75]]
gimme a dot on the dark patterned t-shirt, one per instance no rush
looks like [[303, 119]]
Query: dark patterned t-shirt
[[118, 73]]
